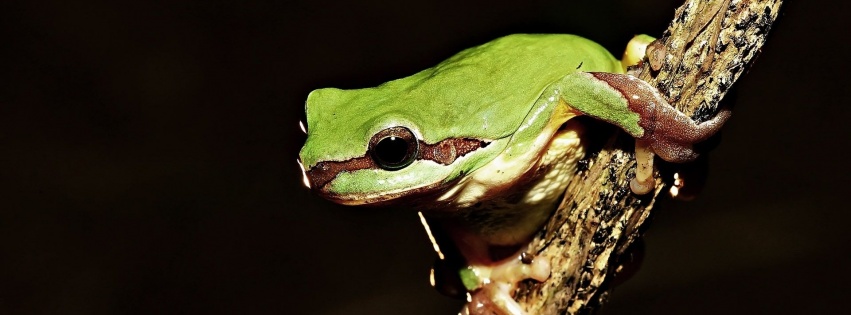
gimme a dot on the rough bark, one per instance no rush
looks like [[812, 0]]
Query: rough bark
[[709, 44]]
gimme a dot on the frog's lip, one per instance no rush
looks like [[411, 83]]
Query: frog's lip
[[318, 179], [361, 200], [408, 196]]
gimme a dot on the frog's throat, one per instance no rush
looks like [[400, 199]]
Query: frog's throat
[[443, 152]]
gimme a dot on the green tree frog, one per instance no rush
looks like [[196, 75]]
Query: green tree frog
[[483, 146]]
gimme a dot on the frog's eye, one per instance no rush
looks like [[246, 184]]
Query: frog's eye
[[393, 148]]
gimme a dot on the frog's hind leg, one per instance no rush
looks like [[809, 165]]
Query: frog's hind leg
[[671, 136], [660, 129]]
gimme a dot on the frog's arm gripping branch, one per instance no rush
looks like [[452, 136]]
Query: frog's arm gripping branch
[[709, 44]]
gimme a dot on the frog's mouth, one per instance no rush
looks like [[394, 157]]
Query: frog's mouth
[[321, 176], [412, 197]]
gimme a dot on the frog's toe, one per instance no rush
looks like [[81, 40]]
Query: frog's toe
[[674, 152], [639, 187], [491, 300]]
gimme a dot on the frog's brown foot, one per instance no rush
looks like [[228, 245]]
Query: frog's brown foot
[[665, 130], [671, 135], [674, 134]]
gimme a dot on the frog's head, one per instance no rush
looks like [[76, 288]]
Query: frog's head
[[423, 133], [365, 148]]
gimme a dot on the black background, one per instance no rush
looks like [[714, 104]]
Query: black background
[[148, 160]]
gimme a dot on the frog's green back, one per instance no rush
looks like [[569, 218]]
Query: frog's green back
[[483, 92]]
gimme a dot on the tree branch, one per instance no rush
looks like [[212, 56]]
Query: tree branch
[[709, 44]]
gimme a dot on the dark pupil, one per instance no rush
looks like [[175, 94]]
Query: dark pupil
[[392, 150]]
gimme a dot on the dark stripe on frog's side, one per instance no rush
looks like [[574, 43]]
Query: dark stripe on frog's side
[[444, 152]]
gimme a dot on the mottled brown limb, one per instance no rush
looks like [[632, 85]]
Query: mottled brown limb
[[709, 44], [667, 131]]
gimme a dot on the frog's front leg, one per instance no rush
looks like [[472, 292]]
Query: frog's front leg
[[639, 109], [493, 285], [490, 281]]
